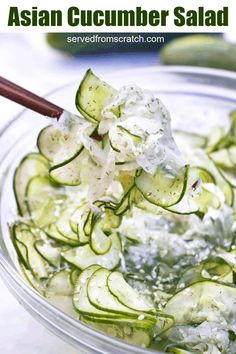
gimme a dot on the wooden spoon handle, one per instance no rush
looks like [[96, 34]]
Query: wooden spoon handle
[[28, 99]]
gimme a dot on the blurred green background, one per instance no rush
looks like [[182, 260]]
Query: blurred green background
[[204, 50]]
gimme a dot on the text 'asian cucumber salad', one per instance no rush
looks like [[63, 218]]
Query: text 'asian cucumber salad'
[[130, 227]]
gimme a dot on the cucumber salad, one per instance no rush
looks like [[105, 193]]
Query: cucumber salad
[[129, 226]]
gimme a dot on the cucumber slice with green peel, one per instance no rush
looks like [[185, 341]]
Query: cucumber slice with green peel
[[52, 232], [35, 262], [178, 351], [59, 292], [68, 173], [163, 189], [204, 301], [37, 284], [99, 242], [126, 330], [109, 221], [51, 253], [229, 174], [202, 160], [74, 275], [232, 154], [80, 221], [63, 224], [127, 295], [222, 158], [43, 200], [93, 95], [100, 296], [22, 252], [213, 269], [57, 146], [214, 138], [83, 256], [205, 175], [188, 204], [80, 297], [32, 165]]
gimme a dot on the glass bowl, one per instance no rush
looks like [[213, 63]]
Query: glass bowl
[[197, 99]]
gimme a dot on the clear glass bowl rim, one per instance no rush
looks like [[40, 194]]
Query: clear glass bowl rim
[[9, 272]]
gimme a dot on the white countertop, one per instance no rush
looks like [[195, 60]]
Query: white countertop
[[22, 60]]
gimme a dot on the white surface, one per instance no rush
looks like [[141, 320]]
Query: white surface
[[27, 61]]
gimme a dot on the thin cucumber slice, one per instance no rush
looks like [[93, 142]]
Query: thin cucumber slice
[[80, 297], [202, 160], [93, 95], [51, 253], [214, 138], [53, 233], [60, 284], [43, 200], [204, 301], [63, 224], [21, 251], [163, 189], [99, 242], [35, 262], [68, 173], [80, 222], [222, 158], [216, 269], [109, 221], [57, 146], [74, 276], [83, 256], [188, 204], [37, 284], [59, 292], [32, 165], [178, 351], [127, 295], [126, 330], [101, 297], [229, 174]]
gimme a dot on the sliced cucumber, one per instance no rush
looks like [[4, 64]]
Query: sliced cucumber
[[67, 173], [37, 284], [125, 329], [80, 298], [51, 253], [59, 292], [188, 203], [204, 301], [202, 160], [63, 224], [93, 95], [74, 275], [83, 256], [81, 222], [163, 189], [53, 233], [43, 200], [58, 147], [100, 243], [127, 295], [35, 262], [60, 284], [32, 165], [101, 297]]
